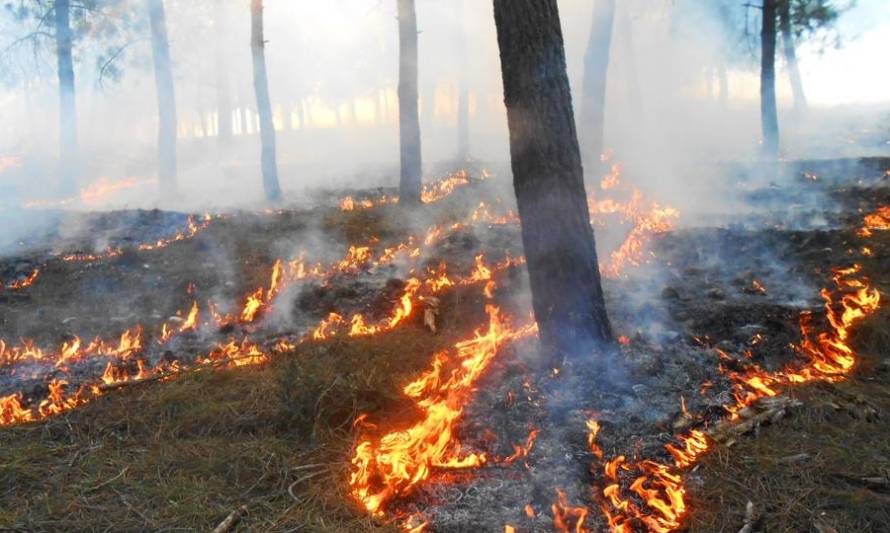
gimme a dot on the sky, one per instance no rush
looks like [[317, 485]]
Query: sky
[[857, 73]]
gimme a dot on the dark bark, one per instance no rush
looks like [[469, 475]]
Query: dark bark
[[768, 114], [67, 101], [567, 294], [593, 97], [800, 98], [463, 98], [409, 121], [166, 94], [263, 103], [223, 91]]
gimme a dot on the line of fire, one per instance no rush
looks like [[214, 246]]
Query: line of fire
[[502, 266]]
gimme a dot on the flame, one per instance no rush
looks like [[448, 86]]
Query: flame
[[193, 227], [431, 193], [827, 357], [648, 219], [396, 462], [443, 188], [593, 429], [879, 220], [93, 193], [566, 518], [22, 283]]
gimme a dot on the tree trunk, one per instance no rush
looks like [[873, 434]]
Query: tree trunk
[[264, 106], [567, 295], [463, 98], [67, 102], [768, 114], [223, 92], [722, 84], [800, 98], [160, 47], [593, 98], [409, 121]]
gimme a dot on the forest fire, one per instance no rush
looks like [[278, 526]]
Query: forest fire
[[193, 228], [22, 283], [431, 192], [878, 220], [289, 287], [94, 193], [391, 465]]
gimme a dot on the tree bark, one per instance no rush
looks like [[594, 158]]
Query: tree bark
[[567, 294], [223, 92], [263, 103], [67, 102], [593, 97], [768, 114], [800, 98], [409, 122], [166, 94]]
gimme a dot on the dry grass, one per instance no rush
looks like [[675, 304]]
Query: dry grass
[[184, 454]]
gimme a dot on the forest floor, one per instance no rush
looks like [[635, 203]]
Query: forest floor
[[184, 450]]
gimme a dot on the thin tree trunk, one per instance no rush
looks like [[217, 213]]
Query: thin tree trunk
[[223, 92], [264, 106], [160, 47], [463, 98], [722, 84], [593, 99], [800, 98], [768, 114], [409, 122], [67, 102], [567, 294]]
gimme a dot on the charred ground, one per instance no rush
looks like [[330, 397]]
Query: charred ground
[[277, 438]]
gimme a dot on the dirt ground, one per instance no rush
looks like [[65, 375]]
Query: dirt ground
[[182, 454]]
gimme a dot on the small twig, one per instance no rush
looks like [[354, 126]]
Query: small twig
[[104, 483], [292, 486], [231, 520]]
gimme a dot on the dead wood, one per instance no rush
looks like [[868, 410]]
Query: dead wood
[[231, 520]]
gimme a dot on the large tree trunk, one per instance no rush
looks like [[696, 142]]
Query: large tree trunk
[[67, 102], [593, 97], [800, 98], [463, 98], [567, 295], [223, 92], [264, 105], [409, 121], [768, 114], [160, 47]]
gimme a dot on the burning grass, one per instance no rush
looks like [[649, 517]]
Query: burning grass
[[277, 438]]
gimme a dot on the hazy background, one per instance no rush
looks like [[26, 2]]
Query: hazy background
[[337, 61]]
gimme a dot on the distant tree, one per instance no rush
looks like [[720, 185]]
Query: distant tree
[[166, 96], [67, 97], [769, 119], [785, 25], [223, 89], [264, 105], [567, 294], [463, 97], [593, 96], [409, 121]]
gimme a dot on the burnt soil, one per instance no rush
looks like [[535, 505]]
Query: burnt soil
[[185, 453]]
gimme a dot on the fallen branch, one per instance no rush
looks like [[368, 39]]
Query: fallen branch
[[231, 520]]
